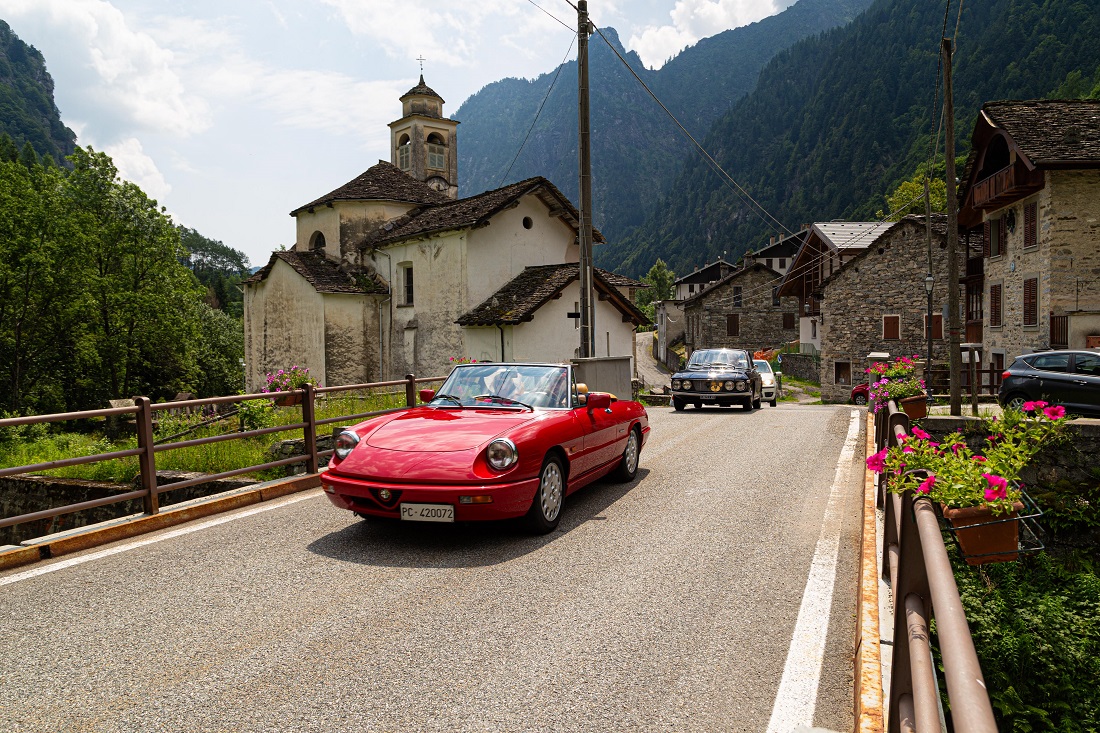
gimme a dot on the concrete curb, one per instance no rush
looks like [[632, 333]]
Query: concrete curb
[[868, 656], [94, 535]]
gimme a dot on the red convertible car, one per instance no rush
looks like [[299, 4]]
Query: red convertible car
[[496, 441]]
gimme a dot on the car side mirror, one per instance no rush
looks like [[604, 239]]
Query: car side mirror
[[426, 395], [599, 401]]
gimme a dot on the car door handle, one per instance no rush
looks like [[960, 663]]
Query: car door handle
[[1080, 381]]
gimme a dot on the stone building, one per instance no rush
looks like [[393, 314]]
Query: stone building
[[392, 273], [1031, 190], [743, 310], [779, 255], [878, 302], [697, 280], [827, 247]]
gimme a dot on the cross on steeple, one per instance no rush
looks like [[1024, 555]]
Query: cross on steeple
[[421, 59]]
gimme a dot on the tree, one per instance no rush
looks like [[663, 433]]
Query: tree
[[661, 287], [908, 198]]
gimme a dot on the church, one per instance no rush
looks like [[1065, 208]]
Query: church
[[393, 274]]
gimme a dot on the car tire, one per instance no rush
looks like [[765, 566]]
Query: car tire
[[698, 405], [773, 403], [756, 401], [860, 399], [545, 511], [747, 405], [677, 405], [1015, 400], [628, 467]]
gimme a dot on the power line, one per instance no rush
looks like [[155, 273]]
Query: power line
[[551, 14], [539, 112]]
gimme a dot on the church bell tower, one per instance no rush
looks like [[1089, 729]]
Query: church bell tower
[[424, 143]]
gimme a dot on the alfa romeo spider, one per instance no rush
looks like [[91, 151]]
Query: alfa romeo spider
[[496, 441]]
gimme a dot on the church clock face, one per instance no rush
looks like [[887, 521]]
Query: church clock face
[[438, 184]]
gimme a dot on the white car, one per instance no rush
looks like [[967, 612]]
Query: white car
[[769, 392]]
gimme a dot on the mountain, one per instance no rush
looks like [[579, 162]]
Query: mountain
[[837, 121], [636, 150], [27, 109]]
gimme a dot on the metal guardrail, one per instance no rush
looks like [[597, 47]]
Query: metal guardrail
[[922, 583], [147, 449]]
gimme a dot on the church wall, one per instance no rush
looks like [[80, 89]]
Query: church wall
[[344, 225], [324, 220], [285, 326], [351, 339], [553, 336], [484, 343], [500, 251]]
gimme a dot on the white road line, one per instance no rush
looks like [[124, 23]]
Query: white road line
[[797, 695], [53, 567]]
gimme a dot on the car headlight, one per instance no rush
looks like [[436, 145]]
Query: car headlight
[[676, 384], [345, 442], [501, 454], [742, 386], [728, 385], [686, 384]]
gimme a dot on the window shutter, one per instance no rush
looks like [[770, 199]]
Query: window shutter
[[891, 327], [1031, 301], [733, 324], [995, 305], [1031, 229], [985, 239], [788, 320]]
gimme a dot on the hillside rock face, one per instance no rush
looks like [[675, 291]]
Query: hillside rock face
[[27, 109], [637, 151]]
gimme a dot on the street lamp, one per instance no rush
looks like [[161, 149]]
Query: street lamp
[[929, 282]]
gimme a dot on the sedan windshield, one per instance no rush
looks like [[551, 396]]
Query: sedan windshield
[[504, 385], [718, 359], [762, 366]]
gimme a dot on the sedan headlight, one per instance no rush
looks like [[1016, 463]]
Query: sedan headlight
[[345, 442], [676, 384], [768, 380], [729, 386], [686, 384], [742, 386], [501, 454]]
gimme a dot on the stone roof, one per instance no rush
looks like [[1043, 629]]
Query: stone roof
[[1050, 131], [849, 235], [704, 274], [421, 90], [737, 273], [472, 212], [325, 275], [517, 301], [785, 247], [381, 182]]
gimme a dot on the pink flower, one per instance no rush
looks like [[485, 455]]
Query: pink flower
[[926, 485], [920, 433], [1055, 413], [998, 487], [877, 462], [903, 437], [907, 449], [1033, 406], [979, 459]]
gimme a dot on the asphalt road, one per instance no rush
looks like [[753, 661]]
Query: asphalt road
[[666, 604]]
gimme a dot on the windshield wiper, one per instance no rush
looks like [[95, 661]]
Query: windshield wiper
[[450, 397], [503, 400]]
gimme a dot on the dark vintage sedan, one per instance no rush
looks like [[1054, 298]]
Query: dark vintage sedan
[[718, 377], [1067, 378]]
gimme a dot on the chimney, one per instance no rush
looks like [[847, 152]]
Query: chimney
[[772, 240]]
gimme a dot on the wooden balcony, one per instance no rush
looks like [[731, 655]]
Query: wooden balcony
[[1005, 186]]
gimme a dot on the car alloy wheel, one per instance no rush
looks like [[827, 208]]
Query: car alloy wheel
[[1016, 401], [860, 399], [628, 468], [545, 512]]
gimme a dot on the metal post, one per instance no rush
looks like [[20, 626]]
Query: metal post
[[410, 390], [928, 323], [147, 460], [310, 430], [588, 321]]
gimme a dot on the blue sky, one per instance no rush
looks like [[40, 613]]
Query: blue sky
[[233, 113]]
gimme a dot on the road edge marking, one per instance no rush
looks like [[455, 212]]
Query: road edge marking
[[796, 698]]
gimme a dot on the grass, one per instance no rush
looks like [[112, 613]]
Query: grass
[[39, 444]]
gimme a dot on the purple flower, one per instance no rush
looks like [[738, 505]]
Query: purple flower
[[926, 485], [998, 487]]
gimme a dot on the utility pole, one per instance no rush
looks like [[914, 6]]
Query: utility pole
[[929, 282], [588, 320], [953, 325]]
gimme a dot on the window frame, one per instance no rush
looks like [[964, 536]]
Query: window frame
[[1030, 302], [738, 299], [996, 305], [937, 326], [437, 153], [844, 363], [407, 284], [897, 320], [733, 325]]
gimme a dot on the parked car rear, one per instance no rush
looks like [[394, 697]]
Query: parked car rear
[[1067, 378]]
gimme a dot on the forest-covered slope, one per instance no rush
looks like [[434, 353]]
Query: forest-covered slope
[[27, 109], [636, 149], [836, 121]]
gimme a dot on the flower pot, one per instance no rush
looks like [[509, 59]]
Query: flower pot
[[985, 537], [915, 407], [288, 400]]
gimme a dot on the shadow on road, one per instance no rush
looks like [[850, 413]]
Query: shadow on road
[[393, 543]]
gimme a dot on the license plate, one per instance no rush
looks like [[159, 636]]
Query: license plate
[[428, 512], [706, 397]]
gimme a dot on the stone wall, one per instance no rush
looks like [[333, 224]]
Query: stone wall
[[26, 494], [801, 366], [886, 280], [760, 322]]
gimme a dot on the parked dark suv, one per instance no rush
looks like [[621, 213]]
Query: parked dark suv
[[1067, 378], [718, 377]]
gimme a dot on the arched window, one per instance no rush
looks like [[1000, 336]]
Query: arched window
[[404, 153], [316, 241], [437, 158]]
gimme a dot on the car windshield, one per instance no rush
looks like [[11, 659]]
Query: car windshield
[[762, 366], [504, 385], [718, 358]]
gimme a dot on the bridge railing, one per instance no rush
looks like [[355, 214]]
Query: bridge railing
[[922, 583], [147, 449]]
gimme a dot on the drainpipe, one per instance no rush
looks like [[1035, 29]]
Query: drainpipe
[[501, 341]]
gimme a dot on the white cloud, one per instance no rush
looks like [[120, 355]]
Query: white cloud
[[695, 19], [137, 167], [122, 78]]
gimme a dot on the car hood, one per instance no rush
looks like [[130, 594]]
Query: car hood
[[713, 374], [436, 430]]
